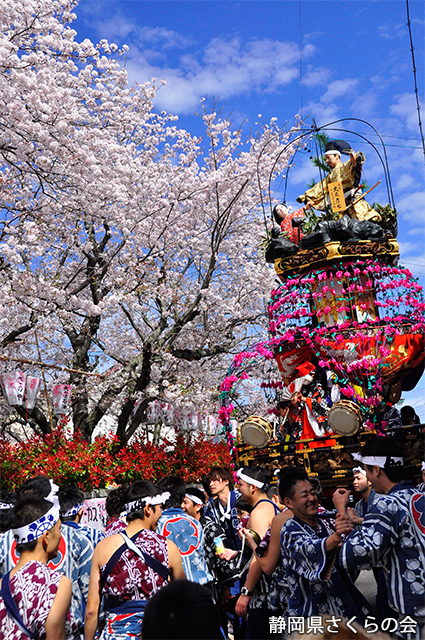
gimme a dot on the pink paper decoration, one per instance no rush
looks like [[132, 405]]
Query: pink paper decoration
[[61, 394]]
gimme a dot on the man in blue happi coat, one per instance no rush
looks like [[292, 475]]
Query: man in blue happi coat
[[71, 501], [316, 585], [184, 531], [392, 534]]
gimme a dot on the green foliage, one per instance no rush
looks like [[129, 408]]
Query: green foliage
[[388, 217]]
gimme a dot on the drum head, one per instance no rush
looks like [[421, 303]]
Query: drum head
[[254, 434], [344, 419]]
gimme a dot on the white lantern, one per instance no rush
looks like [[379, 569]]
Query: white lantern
[[167, 413], [212, 424], [152, 412], [32, 388], [193, 421], [13, 386]]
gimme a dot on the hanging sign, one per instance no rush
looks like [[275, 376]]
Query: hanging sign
[[336, 195], [94, 514]]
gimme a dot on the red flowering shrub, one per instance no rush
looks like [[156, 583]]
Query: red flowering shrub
[[96, 464]]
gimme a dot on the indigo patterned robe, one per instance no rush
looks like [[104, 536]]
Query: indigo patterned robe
[[306, 566], [392, 535]]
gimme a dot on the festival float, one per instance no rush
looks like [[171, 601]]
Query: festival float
[[346, 327]]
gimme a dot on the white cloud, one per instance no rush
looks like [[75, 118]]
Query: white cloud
[[412, 232], [407, 248], [316, 77], [365, 107], [404, 181], [339, 89], [226, 67], [405, 108], [120, 28], [411, 207], [314, 35], [322, 113], [303, 172], [391, 30]]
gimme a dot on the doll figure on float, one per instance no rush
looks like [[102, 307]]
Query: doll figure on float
[[303, 409], [339, 196]]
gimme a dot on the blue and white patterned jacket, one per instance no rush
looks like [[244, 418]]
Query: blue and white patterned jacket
[[188, 535], [392, 535]]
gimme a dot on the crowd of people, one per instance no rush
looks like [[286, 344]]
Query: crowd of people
[[236, 556]]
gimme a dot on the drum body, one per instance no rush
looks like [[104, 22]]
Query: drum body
[[345, 417], [256, 431]]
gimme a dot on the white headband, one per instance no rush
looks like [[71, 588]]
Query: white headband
[[141, 503], [359, 470], [332, 152], [194, 499], [6, 505], [52, 497], [72, 511], [35, 529], [249, 480], [379, 461]]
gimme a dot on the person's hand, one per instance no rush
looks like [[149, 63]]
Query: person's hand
[[353, 516], [228, 554], [242, 605], [248, 535], [340, 500], [343, 525]]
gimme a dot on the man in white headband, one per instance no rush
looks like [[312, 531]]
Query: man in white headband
[[185, 531], [252, 484], [219, 558], [37, 530], [348, 174], [74, 554], [129, 567], [71, 501], [393, 531], [193, 502]]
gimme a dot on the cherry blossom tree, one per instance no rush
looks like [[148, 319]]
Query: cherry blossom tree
[[129, 248]]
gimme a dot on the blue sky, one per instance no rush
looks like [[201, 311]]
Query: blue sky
[[245, 55]]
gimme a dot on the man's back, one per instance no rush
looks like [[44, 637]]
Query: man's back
[[94, 536], [187, 534], [73, 560]]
